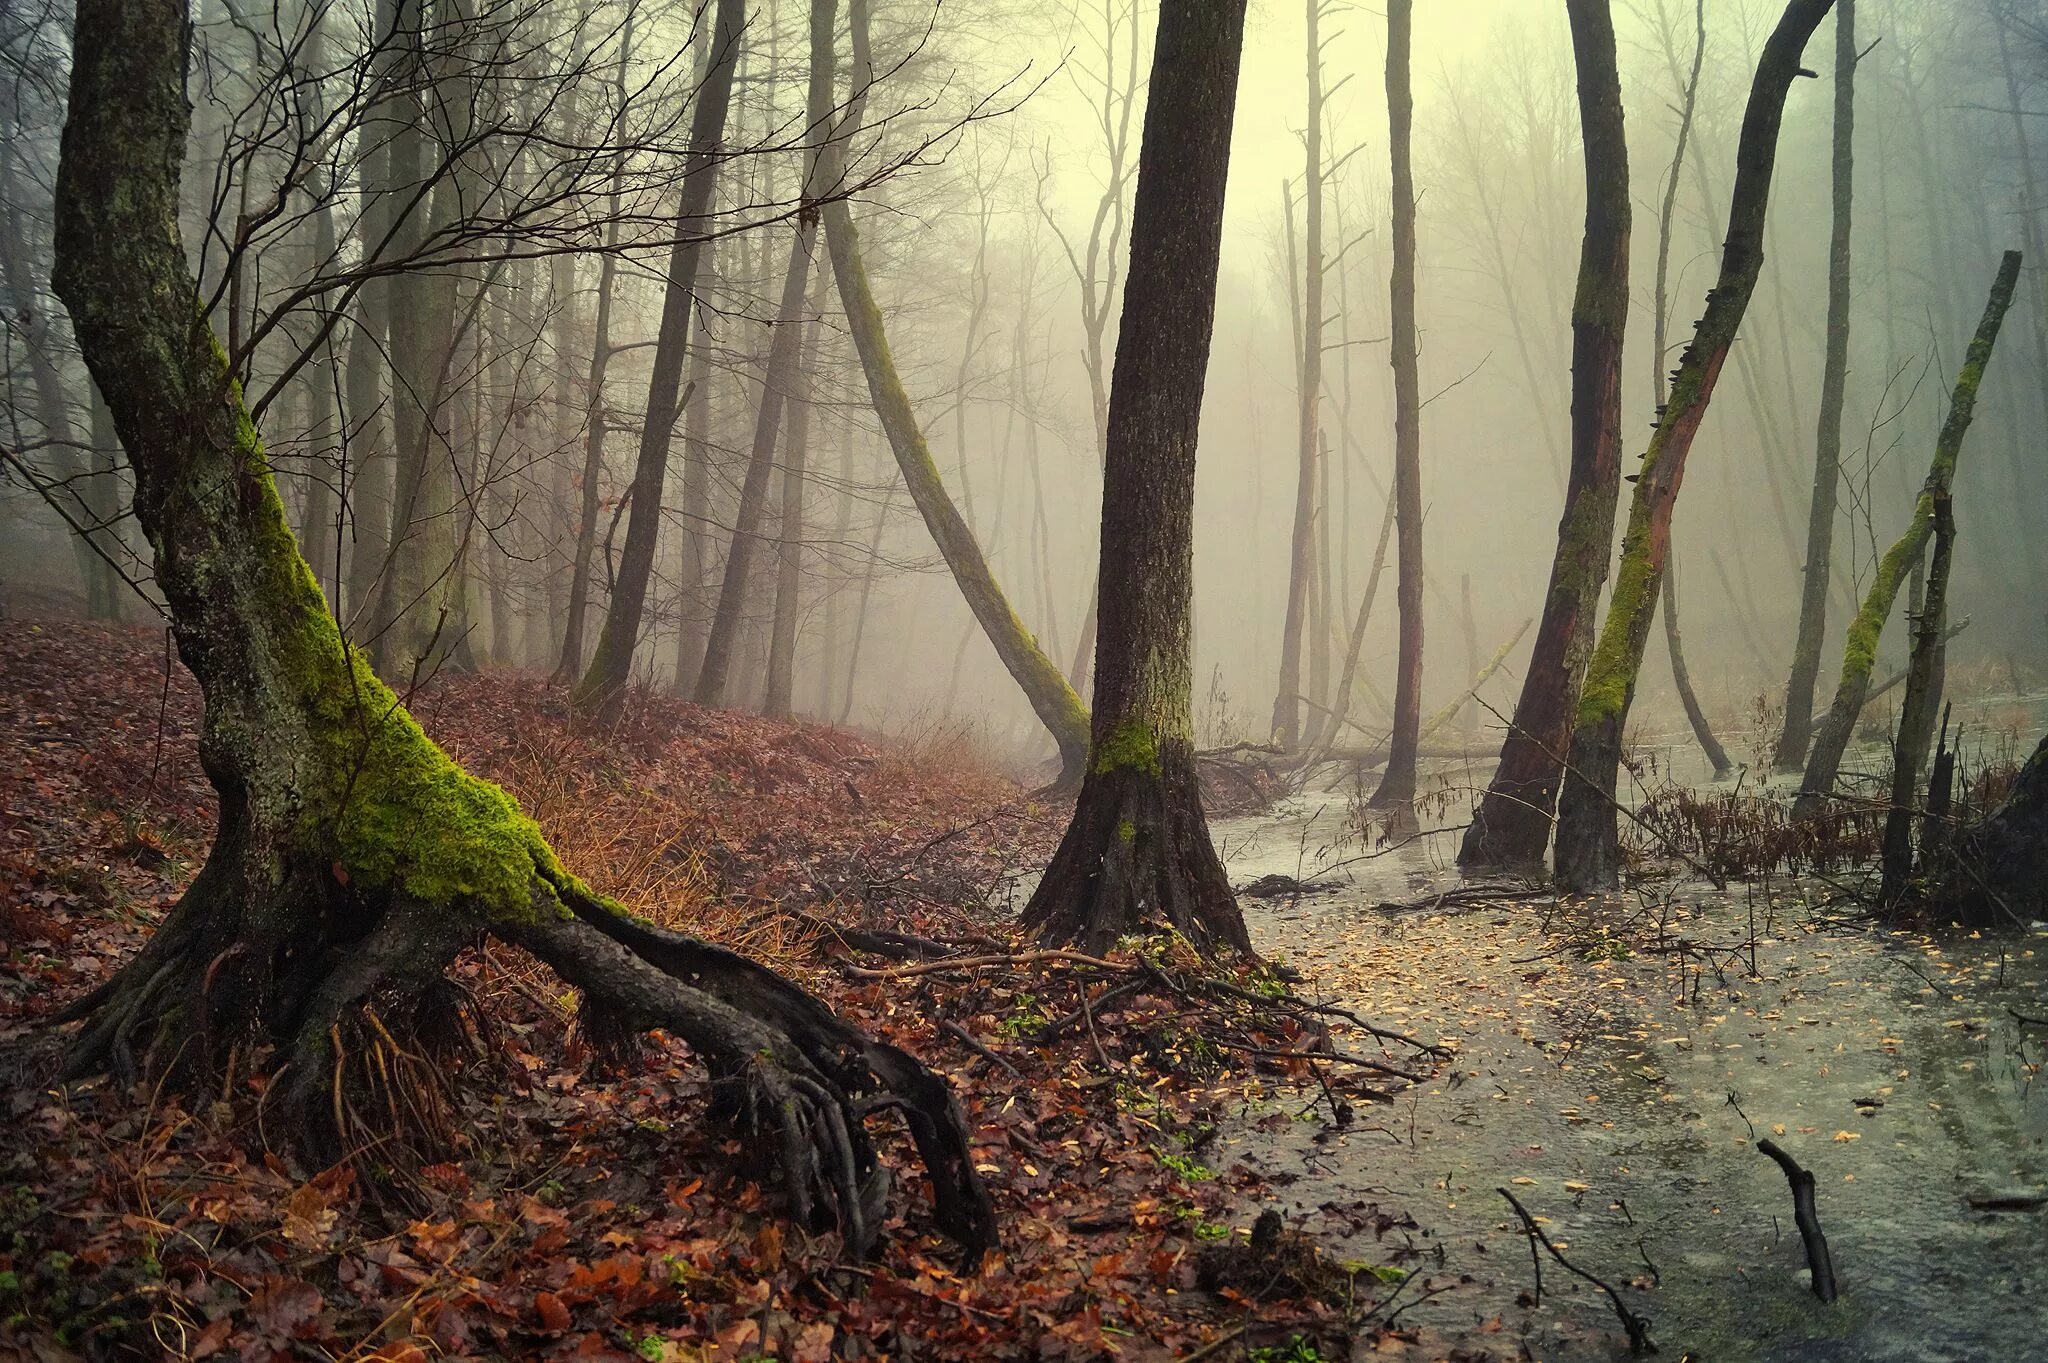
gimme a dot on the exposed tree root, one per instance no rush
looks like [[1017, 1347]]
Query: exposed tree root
[[357, 1050]]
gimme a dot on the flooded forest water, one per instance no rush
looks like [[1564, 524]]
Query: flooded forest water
[[1615, 1063]]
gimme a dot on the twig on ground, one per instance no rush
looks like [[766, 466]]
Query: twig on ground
[[968, 1039], [1638, 1326]]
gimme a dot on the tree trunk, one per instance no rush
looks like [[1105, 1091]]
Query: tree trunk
[[366, 453], [1137, 855], [409, 627], [603, 687], [1397, 783], [74, 479], [778, 379], [1511, 826], [1859, 656], [595, 416], [1674, 644], [1308, 391], [1347, 680], [692, 623], [1917, 711], [1588, 841], [781, 373], [353, 858], [1827, 459], [1681, 678], [789, 566], [1051, 698]]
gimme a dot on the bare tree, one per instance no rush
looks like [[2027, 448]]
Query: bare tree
[[1827, 460], [1397, 783]]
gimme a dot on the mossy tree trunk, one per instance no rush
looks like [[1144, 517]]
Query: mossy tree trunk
[[603, 688], [1137, 855], [1397, 783], [353, 858], [1511, 826], [1052, 699], [1588, 854], [1827, 458], [1859, 654]]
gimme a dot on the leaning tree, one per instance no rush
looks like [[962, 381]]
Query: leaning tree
[[1588, 851], [1511, 825], [353, 858], [1137, 853]]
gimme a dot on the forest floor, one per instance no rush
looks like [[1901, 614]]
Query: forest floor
[[591, 1213]]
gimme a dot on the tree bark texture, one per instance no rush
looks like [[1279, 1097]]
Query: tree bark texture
[[1137, 854]]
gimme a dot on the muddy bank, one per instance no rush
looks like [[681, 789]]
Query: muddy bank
[[1616, 1062]]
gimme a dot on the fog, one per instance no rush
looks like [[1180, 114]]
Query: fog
[[978, 191]]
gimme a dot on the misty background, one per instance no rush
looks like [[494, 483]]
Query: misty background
[[991, 152]]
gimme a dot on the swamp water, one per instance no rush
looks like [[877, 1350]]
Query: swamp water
[[1614, 1063]]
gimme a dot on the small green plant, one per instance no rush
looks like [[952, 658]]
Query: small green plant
[[1298, 1349], [1210, 1230], [1192, 1170], [1027, 1017]]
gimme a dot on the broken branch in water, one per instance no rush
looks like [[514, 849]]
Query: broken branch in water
[[1807, 1218], [1638, 1326]]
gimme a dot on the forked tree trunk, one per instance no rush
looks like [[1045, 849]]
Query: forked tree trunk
[[603, 687], [1511, 826], [1859, 655], [1052, 698], [1137, 856], [1588, 853], [353, 858], [1827, 457], [1397, 783]]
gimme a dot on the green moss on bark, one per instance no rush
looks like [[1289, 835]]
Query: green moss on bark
[[1130, 746], [397, 810]]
